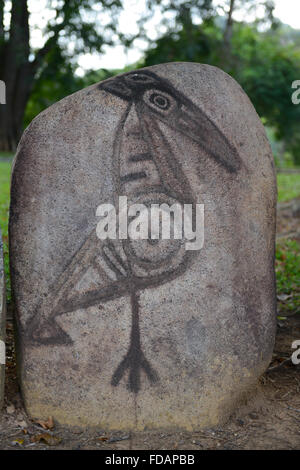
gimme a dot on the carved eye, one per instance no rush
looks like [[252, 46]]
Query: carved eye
[[158, 100]]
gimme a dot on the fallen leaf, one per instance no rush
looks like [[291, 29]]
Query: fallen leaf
[[46, 438], [49, 424], [102, 438], [22, 424], [10, 409], [283, 297]]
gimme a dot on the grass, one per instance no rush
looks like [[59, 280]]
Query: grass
[[288, 186], [287, 263], [287, 267], [5, 167], [287, 251]]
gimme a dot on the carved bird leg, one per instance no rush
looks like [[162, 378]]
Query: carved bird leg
[[135, 359]]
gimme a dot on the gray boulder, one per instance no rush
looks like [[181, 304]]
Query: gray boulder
[[135, 334], [2, 324]]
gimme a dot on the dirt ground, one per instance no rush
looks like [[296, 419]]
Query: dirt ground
[[270, 420]]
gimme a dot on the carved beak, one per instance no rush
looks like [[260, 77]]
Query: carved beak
[[193, 122]]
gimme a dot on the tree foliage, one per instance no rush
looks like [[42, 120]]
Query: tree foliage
[[76, 26], [262, 55], [265, 61]]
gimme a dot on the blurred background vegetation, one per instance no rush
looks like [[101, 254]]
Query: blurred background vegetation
[[260, 52], [243, 37]]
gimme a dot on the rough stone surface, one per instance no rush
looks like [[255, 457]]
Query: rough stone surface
[[130, 334], [2, 324]]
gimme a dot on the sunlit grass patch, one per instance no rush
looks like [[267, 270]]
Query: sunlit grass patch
[[288, 186], [288, 275]]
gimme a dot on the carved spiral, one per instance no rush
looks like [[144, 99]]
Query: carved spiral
[[149, 257]]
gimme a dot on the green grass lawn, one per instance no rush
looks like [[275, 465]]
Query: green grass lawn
[[288, 186], [287, 263], [287, 266], [287, 252]]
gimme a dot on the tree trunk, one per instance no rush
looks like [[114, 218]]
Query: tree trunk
[[226, 55], [1, 31], [17, 71], [17, 75]]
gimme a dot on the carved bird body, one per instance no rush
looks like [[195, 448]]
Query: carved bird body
[[146, 171]]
